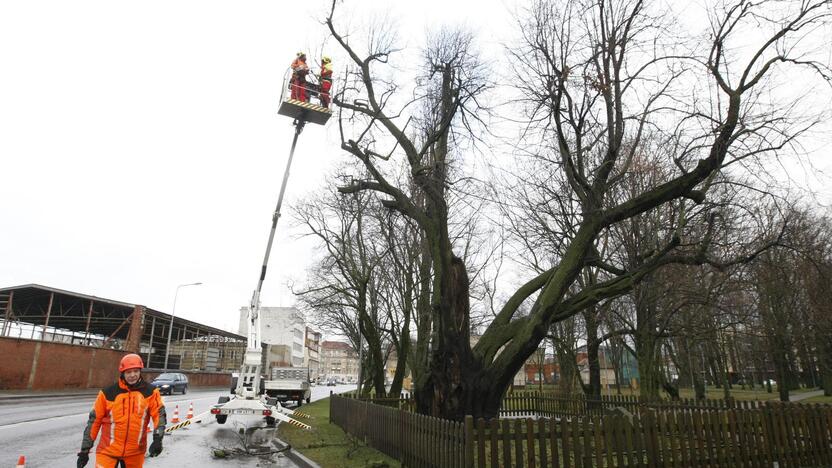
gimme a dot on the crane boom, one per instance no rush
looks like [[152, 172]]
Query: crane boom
[[248, 383]]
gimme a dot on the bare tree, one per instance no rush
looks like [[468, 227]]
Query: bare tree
[[602, 74], [346, 285]]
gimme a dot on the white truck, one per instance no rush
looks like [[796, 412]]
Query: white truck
[[289, 384]]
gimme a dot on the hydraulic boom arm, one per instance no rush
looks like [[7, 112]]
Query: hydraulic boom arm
[[248, 384]]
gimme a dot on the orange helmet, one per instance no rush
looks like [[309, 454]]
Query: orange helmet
[[131, 361]]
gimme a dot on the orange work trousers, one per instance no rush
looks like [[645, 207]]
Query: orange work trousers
[[106, 461]]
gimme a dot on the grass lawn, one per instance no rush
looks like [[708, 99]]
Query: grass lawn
[[818, 399], [711, 392], [328, 445], [736, 393]]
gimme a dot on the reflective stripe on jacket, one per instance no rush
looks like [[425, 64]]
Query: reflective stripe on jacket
[[121, 414]]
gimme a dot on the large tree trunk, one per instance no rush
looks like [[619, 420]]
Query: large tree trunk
[[453, 382], [646, 343], [374, 361], [593, 346]]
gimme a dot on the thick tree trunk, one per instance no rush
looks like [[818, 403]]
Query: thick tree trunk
[[648, 369], [402, 352], [374, 361], [593, 346], [646, 344]]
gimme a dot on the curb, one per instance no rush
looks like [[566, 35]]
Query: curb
[[292, 454]]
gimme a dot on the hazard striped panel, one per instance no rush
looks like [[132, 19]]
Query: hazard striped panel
[[299, 424], [298, 414], [308, 105], [305, 111], [184, 423]]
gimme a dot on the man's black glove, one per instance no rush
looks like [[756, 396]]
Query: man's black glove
[[83, 458], [156, 446]]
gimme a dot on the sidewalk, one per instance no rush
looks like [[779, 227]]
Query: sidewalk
[[805, 395]]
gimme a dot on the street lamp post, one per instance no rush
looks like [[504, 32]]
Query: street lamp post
[[172, 314]]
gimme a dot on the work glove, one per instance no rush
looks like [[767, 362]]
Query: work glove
[[83, 458], [155, 447]]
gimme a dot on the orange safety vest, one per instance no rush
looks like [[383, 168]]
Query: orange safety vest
[[121, 415], [299, 68]]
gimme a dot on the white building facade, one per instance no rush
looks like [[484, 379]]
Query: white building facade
[[284, 330]]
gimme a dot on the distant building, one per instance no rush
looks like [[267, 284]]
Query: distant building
[[606, 369], [284, 330], [340, 361], [312, 353]]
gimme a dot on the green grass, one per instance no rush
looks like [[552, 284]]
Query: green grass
[[711, 392], [737, 393], [818, 399], [327, 444]]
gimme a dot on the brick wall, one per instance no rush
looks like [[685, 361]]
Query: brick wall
[[64, 366], [196, 378]]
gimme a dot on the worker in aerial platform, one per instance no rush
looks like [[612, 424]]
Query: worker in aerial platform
[[298, 83], [326, 80]]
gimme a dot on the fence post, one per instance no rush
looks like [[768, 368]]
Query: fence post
[[468, 462], [330, 406]]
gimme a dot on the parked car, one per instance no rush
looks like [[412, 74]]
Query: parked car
[[331, 383], [171, 382]]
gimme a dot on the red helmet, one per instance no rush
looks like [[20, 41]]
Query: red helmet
[[131, 361]]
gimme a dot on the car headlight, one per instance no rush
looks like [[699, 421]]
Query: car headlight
[[165, 386]]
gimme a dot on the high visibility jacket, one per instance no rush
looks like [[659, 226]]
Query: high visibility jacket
[[326, 72], [299, 68], [121, 414]]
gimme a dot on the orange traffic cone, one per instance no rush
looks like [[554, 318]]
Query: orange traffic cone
[[175, 419], [190, 414], [21, 462]]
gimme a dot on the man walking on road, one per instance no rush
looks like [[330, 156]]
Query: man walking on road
[[121, 414]]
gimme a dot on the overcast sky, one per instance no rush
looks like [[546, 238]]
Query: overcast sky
[[140, 147]]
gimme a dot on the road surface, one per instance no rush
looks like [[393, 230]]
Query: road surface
[[48, 431]]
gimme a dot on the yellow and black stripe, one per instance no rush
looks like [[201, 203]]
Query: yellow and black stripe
[[184, 423], [298, 414], [299, 424], [309, 105]]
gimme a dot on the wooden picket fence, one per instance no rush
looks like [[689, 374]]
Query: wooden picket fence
[[551, 405], [413, 439], [764, 436], [789, 437]]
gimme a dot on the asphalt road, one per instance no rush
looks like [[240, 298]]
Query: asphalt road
[[48, 432]]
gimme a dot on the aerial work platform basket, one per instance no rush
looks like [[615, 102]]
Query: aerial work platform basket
[[310, 110]]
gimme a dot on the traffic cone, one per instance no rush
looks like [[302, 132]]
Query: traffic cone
[[190, 414], [21, 462], [175, 419]]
